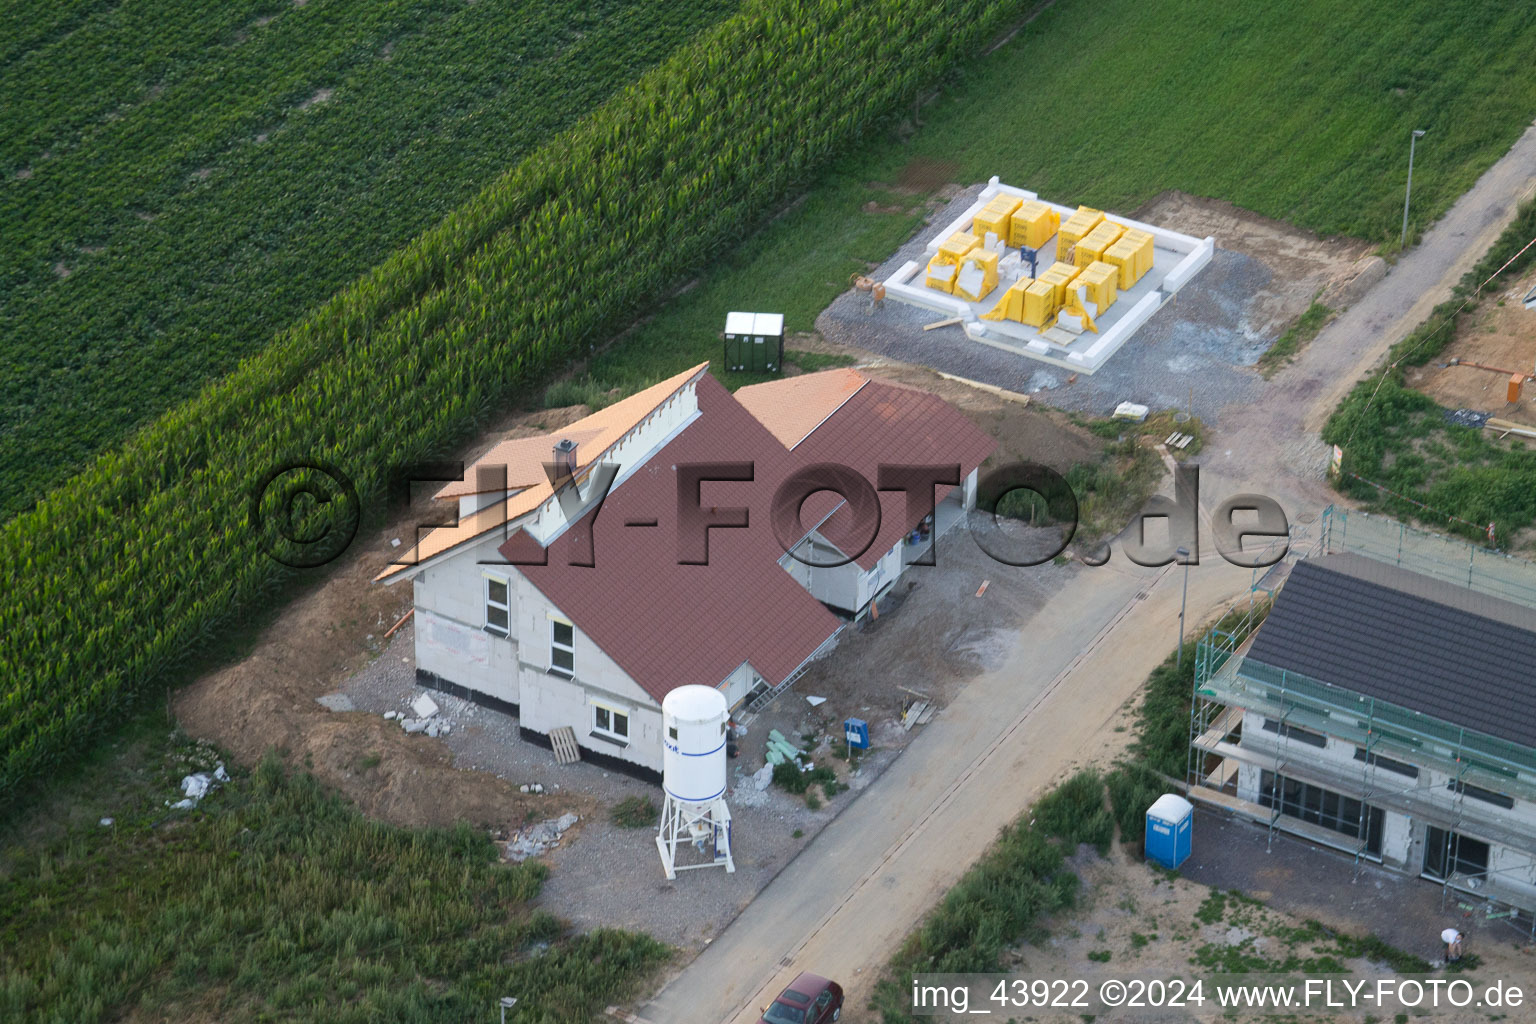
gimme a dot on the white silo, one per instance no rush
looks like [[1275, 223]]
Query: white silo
[[694, 722]]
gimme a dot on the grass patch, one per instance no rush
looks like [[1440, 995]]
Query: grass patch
[[791, 779], [181, 183], [1289, 344], [814, 362], [635, 812], [275, 899], [584, 391], [1107, 492]]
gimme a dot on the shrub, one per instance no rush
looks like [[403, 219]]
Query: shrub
[[635, 812]]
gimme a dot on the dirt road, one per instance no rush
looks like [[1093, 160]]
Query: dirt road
[[848, 900], [1274, 441]]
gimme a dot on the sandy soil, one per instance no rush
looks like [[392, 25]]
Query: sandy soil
[[1501, 333], [1304, 264], [325, 636]]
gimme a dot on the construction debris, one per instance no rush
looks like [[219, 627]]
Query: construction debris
[[916, 712], [815, 702], [1506, 427], [952, 321], [540, 838], [194, 788], [424, 706]]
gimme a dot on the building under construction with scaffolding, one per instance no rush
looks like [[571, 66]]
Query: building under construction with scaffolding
[[1378, 695]]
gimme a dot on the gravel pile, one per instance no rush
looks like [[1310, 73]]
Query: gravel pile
[[1203, 340]]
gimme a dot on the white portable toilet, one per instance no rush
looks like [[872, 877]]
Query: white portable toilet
[[694, 721]]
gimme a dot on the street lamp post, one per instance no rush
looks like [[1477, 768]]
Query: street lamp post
[[507, 1002], [1418, 133], [1183, 600]]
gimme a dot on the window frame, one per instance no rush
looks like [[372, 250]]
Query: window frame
[[1475, 792], [488, 604], [556, 647], [1299, 734], [614, 714], [1386, 764]]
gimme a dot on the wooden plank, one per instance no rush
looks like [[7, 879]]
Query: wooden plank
[[391, 631], [563, 741], [944, 323]]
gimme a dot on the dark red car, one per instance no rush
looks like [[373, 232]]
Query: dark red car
[[809, 999]]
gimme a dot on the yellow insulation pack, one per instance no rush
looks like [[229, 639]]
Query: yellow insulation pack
[[994, 217], [1032, 225], [1099, 280], [1077, 228], [977, 276], [1011, 305], [1090, 248]]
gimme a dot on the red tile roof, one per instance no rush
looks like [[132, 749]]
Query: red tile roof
[[891, 424], [667, 624]]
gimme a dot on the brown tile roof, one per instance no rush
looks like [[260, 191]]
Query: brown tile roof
[[793, 407], [667, 624], [891, 424], [601, 430]]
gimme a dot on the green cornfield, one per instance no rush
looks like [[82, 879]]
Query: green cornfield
[[179, 182], [120, 573]]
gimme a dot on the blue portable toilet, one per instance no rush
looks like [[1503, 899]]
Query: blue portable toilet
[[857, 731], [1170, 828]]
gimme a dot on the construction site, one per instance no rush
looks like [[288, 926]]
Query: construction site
[[1064, 286], [1412, 754]]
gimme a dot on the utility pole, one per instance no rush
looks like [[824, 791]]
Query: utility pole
[[1418, 133], [1183, 600]]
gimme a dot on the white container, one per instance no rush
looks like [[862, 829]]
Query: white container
[[693, 722]]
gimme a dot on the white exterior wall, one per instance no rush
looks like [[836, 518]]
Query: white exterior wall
[[1397, 842], [739, 683], [551, 700], [835, 585], [886, 571], [451, 639], [1402, 834]]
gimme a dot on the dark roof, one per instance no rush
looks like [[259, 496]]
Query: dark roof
[[667, 624], [891, 424], [1445, 651]]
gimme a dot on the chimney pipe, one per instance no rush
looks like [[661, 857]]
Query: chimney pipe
[[565, 457]]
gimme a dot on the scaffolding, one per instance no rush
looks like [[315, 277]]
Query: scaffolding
[[1228, 684]]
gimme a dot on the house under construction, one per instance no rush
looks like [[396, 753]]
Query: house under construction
[[1385, 706]]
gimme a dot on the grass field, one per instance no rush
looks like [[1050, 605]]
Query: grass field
[[274, 900], [1297, 111], [179, 182]]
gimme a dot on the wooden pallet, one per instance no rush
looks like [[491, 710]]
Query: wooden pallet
[[563, 740]]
